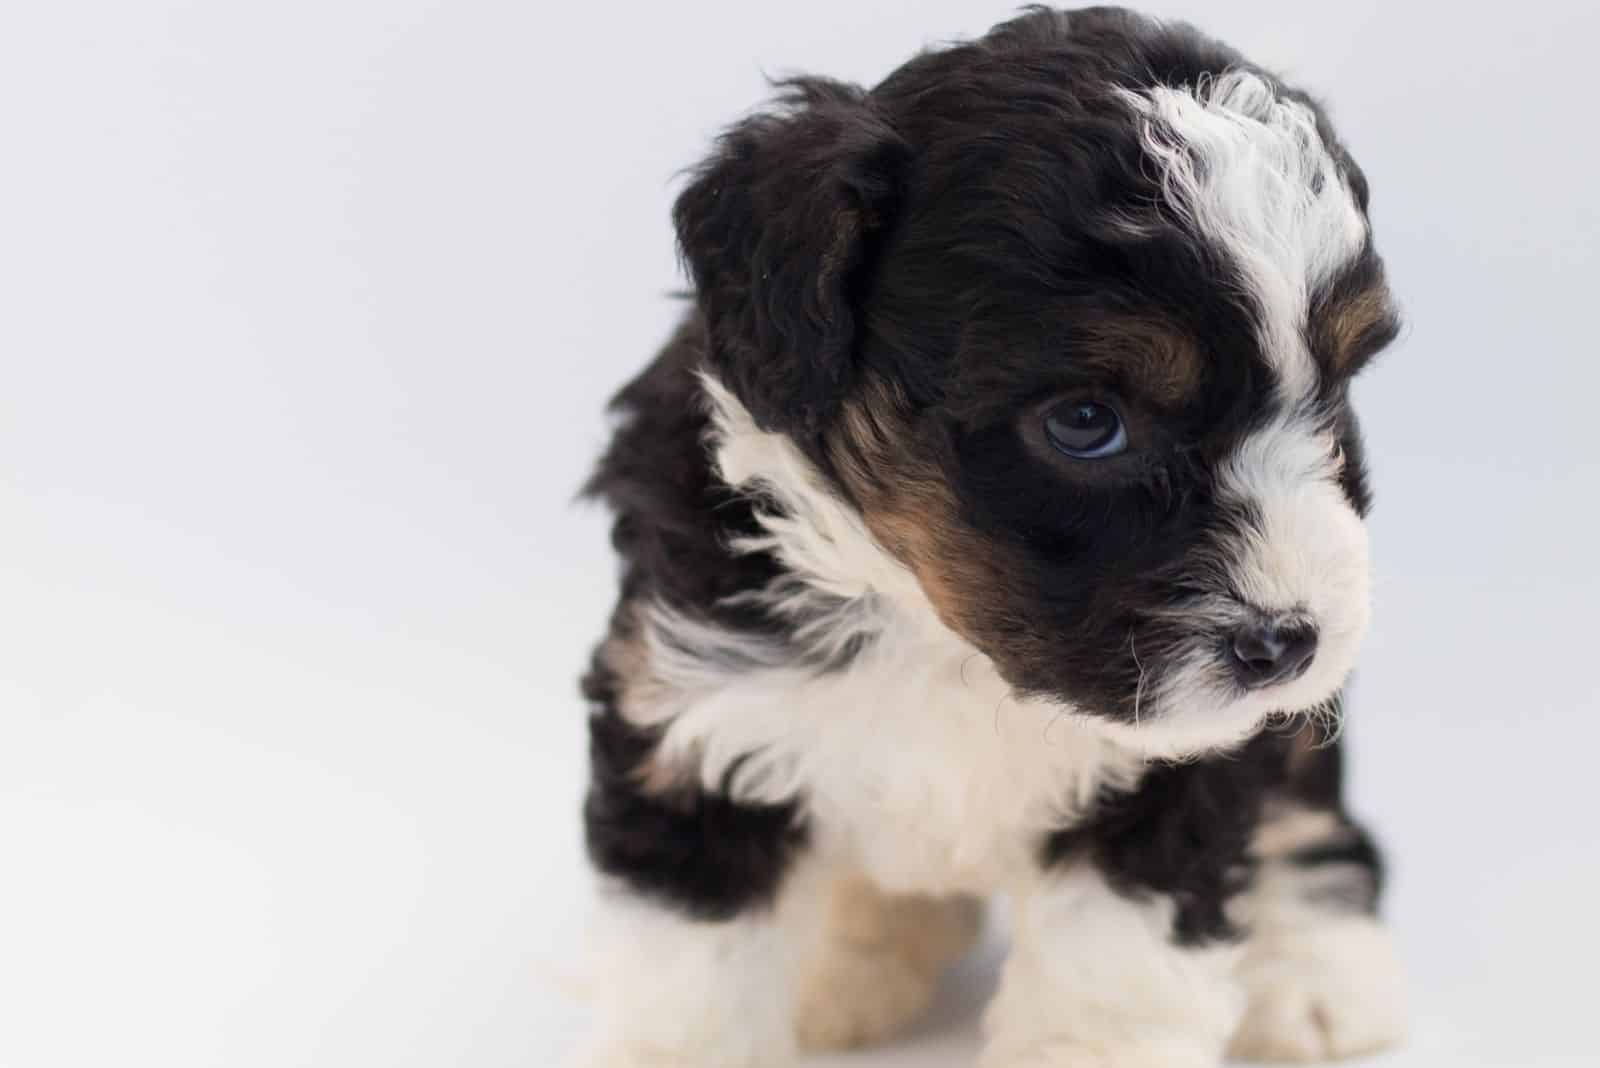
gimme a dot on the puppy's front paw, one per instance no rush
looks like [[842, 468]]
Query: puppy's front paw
[[1324, 992]]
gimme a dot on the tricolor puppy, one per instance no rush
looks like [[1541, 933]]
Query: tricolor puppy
[[994, 524]]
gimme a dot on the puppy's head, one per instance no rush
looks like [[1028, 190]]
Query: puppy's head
[[1068, 315]]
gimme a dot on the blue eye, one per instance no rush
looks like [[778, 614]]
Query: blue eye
[[1085, 430]]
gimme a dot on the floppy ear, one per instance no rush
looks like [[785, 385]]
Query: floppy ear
[[777, 229]]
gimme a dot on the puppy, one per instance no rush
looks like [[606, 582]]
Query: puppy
[[994, 523]]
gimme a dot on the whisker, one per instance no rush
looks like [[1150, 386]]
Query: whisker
[[997, 705], [965, 661], [1138, 690]]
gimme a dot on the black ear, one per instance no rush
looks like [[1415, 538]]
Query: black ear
[[777, 229]]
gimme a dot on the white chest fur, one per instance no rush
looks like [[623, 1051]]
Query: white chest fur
[[914, 763]]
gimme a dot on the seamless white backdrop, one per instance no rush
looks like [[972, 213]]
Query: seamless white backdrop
[[307, 315]]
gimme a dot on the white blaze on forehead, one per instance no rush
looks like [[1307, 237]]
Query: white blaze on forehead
[[1247, 170]]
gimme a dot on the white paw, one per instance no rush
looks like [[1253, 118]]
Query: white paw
[[1324, 992]]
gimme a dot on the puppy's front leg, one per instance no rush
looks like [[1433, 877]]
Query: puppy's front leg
[[1323, 979], [704, 901], [1098, 980], [672, 991]]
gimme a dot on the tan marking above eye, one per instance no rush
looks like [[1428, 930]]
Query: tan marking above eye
[[1156, 358], [1344, 329]]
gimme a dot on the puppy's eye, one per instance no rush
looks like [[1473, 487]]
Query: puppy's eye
[[1087, 430]]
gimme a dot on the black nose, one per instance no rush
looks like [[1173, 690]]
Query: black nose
[[1265, 653]]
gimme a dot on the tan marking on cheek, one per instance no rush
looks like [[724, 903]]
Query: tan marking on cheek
[[910, 509], [921, 537]]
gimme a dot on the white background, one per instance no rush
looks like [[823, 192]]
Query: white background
[[307, 316]]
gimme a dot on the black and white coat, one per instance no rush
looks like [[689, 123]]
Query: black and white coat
[[881, 654]]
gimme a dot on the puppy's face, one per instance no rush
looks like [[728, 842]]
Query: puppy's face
[[1076, 344]]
